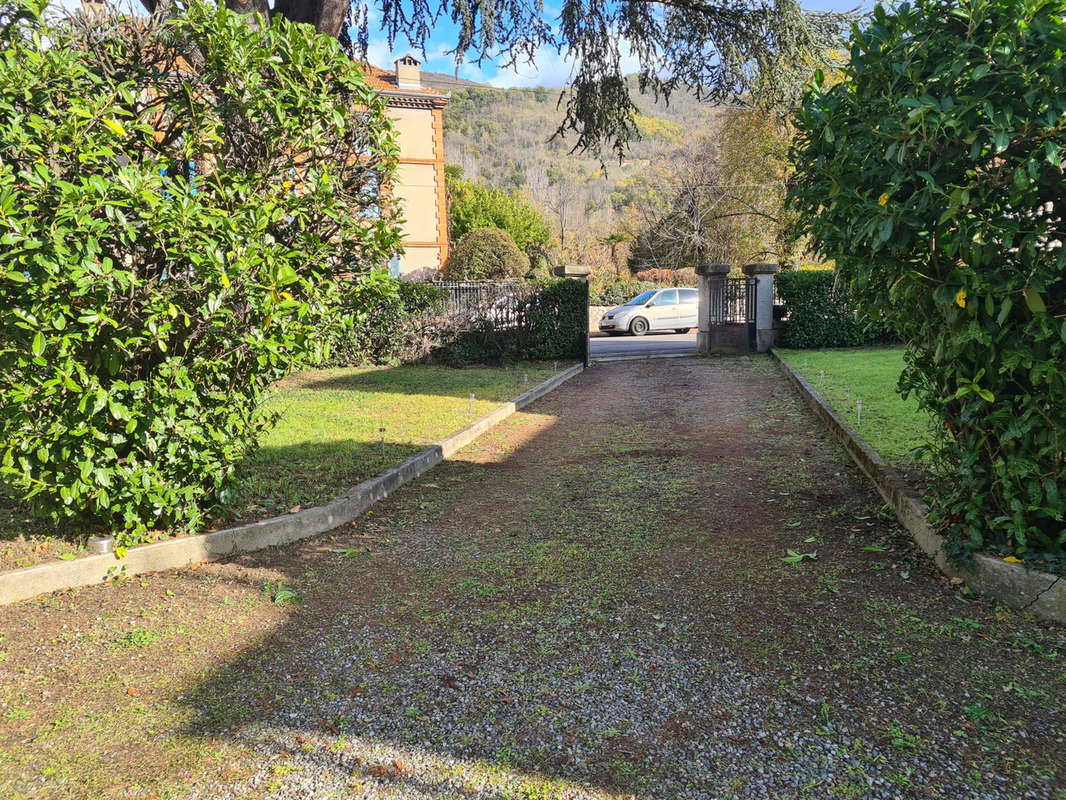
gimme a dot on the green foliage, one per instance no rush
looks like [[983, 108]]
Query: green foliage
[[539, 322], [614, 294], [486, 254], [280, 594], [144, 309], [474, 205], [724, 53], [669, 277], [821, 315], [379, 321], [933, 175]]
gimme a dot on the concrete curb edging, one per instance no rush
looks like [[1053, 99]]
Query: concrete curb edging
[[32, 581], [1038, 593]]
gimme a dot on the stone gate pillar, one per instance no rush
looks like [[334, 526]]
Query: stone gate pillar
[[764, 309], [712, 285]]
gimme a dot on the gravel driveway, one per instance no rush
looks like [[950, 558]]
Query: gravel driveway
[[589, 602]]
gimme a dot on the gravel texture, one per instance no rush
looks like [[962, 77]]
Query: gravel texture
[[592, 602]]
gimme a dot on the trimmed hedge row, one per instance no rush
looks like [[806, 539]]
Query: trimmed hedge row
[[389, 321], [385, 321], [538, 323], [820, 315]]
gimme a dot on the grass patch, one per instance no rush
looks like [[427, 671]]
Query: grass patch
[[327, 439], [894, 427], [329, 435]]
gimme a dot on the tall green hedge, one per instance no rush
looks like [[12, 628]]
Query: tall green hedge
[[819, 314], [933, 174], [168, 243], [543, 321], [383, 320]]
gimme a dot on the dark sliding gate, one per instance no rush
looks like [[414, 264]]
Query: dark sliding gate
[[732, 314]]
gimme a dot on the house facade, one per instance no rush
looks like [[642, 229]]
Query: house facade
[[418, 114]]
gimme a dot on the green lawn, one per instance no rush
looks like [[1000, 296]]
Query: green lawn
[[893, 426], [328, 438]]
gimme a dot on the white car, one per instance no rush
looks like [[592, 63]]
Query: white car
[[656, 310]]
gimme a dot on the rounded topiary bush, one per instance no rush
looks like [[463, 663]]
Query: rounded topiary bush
[[486, 254]]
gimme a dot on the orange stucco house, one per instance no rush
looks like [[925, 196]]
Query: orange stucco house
[[417, 112]]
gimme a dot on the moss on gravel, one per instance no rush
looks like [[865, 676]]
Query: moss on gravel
[[592, 602]]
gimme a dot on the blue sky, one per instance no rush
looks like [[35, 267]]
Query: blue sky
[[550, 69]]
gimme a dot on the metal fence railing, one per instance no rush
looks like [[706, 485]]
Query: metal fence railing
[[461, 296], [732, 300]]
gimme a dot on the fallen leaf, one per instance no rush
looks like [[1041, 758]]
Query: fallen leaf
[[133, 692], [507, 699], [357, 690], [956, 581], [378, 771], [295, 509], [1012, 560], [450, 682]]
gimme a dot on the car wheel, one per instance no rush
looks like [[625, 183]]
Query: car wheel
[[638, 327], [682, 330]]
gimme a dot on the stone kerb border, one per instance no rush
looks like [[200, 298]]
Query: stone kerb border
[[31, 581], [1039, 593]]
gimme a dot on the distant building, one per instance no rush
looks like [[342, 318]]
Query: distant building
[[417, 112]]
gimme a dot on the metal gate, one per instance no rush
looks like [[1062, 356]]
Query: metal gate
[[731, 314]]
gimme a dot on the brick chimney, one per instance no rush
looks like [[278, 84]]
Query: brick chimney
[[408, 74]]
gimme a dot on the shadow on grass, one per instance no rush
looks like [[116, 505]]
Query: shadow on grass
[[428, 379], [277, 478]]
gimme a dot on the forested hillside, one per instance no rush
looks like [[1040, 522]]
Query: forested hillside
[[505, 138]]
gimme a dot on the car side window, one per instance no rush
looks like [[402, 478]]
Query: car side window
[[667, 298], [689, 296]]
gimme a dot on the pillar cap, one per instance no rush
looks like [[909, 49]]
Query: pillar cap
[[572, 271], [713, 269], [761, 269]]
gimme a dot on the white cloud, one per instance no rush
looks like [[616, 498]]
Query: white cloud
[[379, 54], [550, 68]]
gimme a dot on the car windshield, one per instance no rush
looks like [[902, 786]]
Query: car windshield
[[641, 299]]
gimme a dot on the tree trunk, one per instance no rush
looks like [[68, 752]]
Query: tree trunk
[[326, 15]]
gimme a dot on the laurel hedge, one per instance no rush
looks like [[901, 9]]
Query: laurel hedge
[[537, 322], [175, 197], [933, 174], [820, 314]]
